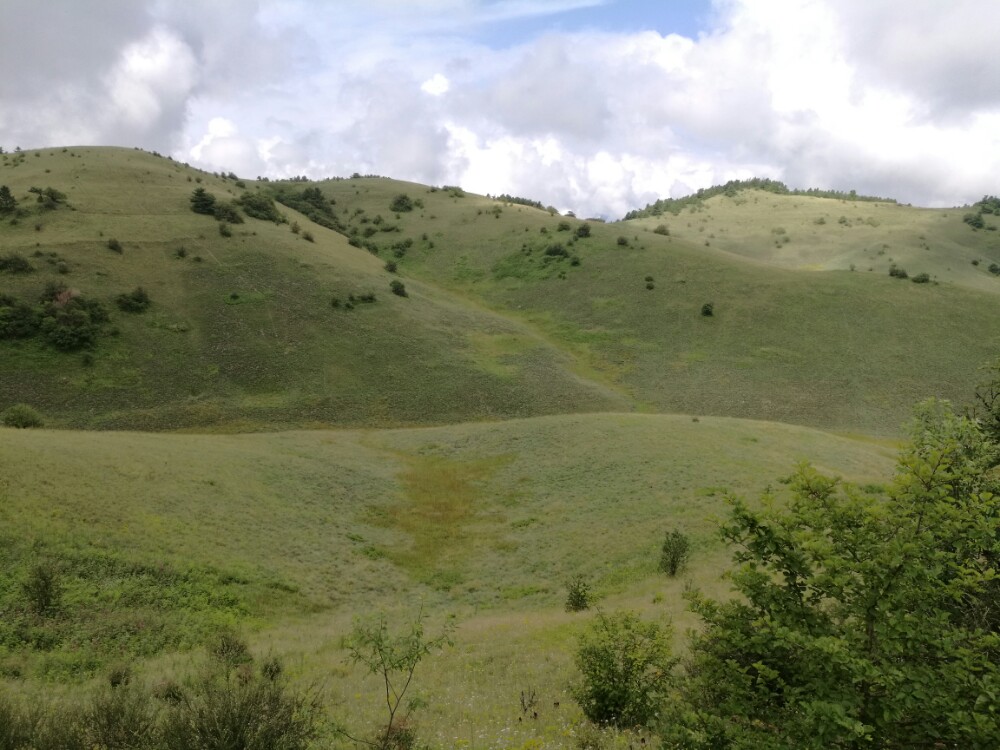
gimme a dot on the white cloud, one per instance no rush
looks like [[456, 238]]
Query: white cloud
[[436, 85], [828, 93]]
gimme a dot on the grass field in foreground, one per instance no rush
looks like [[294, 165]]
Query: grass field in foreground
[[483, 522]]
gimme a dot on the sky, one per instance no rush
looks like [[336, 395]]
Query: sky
[[594, 106]]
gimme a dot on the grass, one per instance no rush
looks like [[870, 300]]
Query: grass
[[301, 531], [788, 341], [525, 415]]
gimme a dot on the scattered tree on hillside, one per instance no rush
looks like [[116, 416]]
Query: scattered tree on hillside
[[7, 201], [863, 620], [202, 201]]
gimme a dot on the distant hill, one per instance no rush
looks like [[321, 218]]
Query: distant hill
[[510, 310]]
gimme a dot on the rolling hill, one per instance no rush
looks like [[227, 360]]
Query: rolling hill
[[393, 397]]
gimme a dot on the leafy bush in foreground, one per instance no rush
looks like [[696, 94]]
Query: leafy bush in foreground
[[862, 619], [626, 668]]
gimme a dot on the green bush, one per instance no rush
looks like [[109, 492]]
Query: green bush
[[897, 272], [308, 236], [675, 552], [260, 206], [578, 594], [661, 229], [391, 266], [224, 229], [921, 278], [623, 241], [708, 309], [401, 203], [227, 212], [42, 589], [398, 288], [15, 263], [626, 669], [583, 230], [21, 416], [115, 246], [136, 301]]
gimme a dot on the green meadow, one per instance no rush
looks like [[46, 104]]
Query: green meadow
[[281, 443]]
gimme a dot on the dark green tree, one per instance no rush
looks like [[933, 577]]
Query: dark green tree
[[863, 620], [202, 201], [7, 201]]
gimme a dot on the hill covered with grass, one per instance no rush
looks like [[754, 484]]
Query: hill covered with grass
[[160, 540], [510, 310], [276, 324]]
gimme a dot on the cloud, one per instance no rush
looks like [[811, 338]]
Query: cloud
[[847, 94]]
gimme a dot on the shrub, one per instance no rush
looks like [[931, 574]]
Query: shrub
[[921, 278], [116, 246], [674, 552], [120, 718], [994, 269], [564, 226], [625, 665], [18, 320], [260, 206], [136, 301], [661, 229], [897, 272], [390, 266], [21, 416], [227, 211], [224, 229], [308, 237], [246, 711], [230, 651], [401, 203], [974, 220], [708, 309], [398, 288], [15, 263], [623, 241], [583, 230], [556, 250], [578, 594], [42, 589]]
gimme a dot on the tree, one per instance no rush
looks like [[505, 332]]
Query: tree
[[393, 659], [863, 620], [202, 201], [626, 667], [675, 552], [7, 201]]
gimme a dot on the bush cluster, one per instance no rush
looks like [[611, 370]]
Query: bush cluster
[[63, 317], [136, 301], [229, 707]]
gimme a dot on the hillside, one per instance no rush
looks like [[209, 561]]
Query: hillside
[[834, 349], [160, 539], [510, 311], [242, 331]]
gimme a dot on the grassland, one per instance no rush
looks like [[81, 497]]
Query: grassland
[[303, 531], [546, 401]]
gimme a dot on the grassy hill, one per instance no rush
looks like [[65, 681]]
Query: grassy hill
[[241, 331], [511, 311], [160, 539], [546, 400], [835, 349]]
